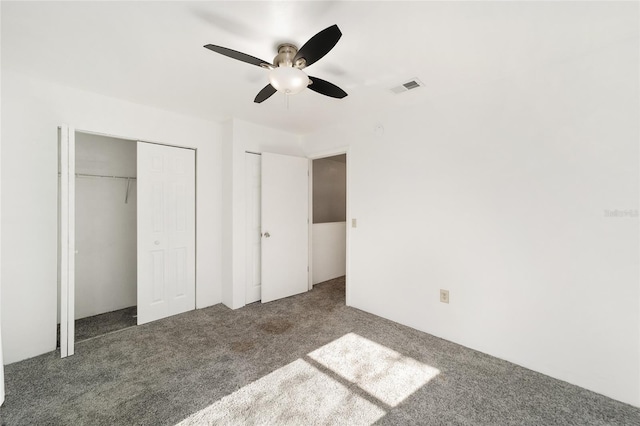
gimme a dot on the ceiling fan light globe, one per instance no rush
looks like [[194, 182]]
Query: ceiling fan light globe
[[288, 80]]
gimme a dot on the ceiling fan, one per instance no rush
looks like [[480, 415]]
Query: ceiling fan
[[286, 73]]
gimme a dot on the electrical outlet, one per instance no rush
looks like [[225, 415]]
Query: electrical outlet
[[444, 296], [354, 223]]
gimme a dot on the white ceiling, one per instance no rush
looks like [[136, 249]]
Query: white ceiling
[[152, 52]]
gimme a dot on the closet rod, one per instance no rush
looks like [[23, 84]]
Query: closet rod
[[103, 176]]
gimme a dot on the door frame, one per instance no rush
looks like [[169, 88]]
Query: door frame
[[247, 238], [67, 223], [317, 156], [66, 257]]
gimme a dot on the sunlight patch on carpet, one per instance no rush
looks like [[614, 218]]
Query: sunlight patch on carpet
[[297, 393], [381, 372]]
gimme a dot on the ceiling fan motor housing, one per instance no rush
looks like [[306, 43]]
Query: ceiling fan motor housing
[[286, 55]]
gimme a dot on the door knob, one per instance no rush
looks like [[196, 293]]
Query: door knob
[[156, 242], [267, 234]]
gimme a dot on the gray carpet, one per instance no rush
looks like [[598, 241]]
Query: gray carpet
[[307, 359], [97, 325]]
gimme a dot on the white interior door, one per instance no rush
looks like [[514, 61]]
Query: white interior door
[[285, 226], [252, 273], [166, 231]]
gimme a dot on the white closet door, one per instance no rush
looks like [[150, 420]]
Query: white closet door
[[285, 226], [166, 231]]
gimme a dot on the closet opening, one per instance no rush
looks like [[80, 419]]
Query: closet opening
[[105, 235], [127, 234], [329, 215]]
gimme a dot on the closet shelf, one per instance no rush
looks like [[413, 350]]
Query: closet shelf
[[103, 176]]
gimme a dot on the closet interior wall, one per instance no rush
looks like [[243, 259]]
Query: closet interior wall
[[106, 270], [329, 218]]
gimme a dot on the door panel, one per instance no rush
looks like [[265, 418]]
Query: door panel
[[285, 226], [166, 231]]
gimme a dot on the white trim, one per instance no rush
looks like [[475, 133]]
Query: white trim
[[71, 306], [249, 170], [67, 243], [1, 359], [63, 141], [310, 222], [316, 156]]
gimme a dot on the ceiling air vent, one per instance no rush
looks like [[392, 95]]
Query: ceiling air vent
[[409, 85]]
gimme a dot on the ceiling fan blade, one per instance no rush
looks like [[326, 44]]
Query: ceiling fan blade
[[325, 88], [265, 93], [238, 55], [319, 45]]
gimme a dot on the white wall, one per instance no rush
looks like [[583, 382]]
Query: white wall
[[328, 251], [245, 137], [498, 194], [105, 262], [31, 111]]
